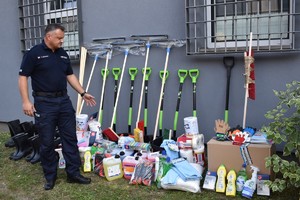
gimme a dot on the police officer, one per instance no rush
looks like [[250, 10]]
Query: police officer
[[49, 67]]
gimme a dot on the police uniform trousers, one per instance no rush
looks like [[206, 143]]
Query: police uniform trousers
[[52, 112]]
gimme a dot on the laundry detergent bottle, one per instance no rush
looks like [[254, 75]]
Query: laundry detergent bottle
[[250, 185]]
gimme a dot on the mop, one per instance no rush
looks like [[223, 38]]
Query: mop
[[148, 39], [249, 79], [133, 47], [167, 45], [182, 73], [132, 73]]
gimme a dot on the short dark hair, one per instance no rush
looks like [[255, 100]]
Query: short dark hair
[[52, 27]]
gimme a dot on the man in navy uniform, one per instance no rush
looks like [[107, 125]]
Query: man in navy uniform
[[49, 67]]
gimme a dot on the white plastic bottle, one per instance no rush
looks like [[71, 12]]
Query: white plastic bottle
[[250, 185]]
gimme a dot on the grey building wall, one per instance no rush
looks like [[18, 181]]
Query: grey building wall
[[102, 19]]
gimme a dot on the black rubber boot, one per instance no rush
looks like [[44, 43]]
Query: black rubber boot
[[36, 149], [33, 152], [14, 129], [23, 147]]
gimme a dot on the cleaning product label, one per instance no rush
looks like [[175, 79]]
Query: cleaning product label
[[247, 192], [240, 181], [113, 170]]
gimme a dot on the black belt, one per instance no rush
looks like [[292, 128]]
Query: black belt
[[49, 94]]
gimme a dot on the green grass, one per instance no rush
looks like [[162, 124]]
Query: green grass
[[22, 180]]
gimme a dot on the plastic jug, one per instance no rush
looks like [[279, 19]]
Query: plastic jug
[[129, 163], [112, 168]]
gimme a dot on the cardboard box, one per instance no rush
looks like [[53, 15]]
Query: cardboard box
[[224, 152]]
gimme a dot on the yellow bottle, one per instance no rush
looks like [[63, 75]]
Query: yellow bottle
[[221, 184], [87, 162], [113, 168], [231, 188]]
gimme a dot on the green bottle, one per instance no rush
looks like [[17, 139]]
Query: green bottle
[[241, 179]]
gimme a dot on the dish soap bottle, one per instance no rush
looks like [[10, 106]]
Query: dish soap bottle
[[241, 179], [220, 185], [231, 188], [250, 185]]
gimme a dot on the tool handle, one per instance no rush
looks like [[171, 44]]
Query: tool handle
[[161, 74], [132, 72], [103, 73], [148, 73], [116, 72], [194, 73], [182, 73]]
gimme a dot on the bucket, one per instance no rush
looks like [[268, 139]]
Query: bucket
[[112, 168]]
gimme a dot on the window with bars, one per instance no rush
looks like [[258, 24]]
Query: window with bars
[[36, 14], [224, 26]]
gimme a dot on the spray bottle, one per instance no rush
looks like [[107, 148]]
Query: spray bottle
[[250, 185]]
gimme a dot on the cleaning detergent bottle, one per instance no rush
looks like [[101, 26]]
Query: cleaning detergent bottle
[[241, 179], [113, 168], [129, 163], [221, 184], [87, 167], [231, 188], [250, 185]]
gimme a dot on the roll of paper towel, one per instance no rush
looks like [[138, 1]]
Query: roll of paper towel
[[81, 122], [198, 141], [191, 125], [187, 154]]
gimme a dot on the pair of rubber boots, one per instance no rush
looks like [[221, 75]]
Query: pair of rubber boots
[[20, 140]]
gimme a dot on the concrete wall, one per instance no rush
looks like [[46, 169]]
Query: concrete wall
[[102, 19]]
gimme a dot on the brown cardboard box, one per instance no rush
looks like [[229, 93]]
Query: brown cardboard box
[[224, 152]]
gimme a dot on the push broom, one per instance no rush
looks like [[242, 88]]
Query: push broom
[[148, 39], [126, 47]]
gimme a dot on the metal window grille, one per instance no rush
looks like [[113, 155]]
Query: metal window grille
[[224, 26], [36, 14]]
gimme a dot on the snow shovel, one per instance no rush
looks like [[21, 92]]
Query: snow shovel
[[148, 73], [165, 77], [182, 73], [116, 73], [104, 74], [228, 63], [132, 72], [194, 74]]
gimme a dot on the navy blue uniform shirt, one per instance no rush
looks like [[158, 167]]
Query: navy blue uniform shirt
[[48, 69]]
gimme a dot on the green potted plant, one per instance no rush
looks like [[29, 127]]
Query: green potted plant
[[285, 128]]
